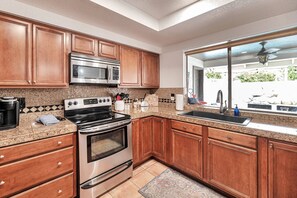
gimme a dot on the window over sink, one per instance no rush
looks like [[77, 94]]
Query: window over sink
[[262, 73]]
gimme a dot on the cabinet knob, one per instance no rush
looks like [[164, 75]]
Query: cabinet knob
[[1, 156], [59, 143], [2, 183], [199, 140], [34, 82], [59, 164], [60, 191], [29, 81], [271, 146]]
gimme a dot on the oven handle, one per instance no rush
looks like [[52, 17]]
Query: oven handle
[[106, 176], [103, 128]]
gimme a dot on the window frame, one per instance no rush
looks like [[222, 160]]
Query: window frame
[[237, 42]]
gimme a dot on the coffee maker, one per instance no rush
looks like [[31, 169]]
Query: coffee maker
[[9, 113]]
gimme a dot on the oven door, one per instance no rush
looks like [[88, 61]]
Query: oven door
[[103, 149], [88, 72]]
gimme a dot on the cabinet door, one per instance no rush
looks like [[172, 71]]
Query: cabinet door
[[15, 52], [136, 141], [232, 168], [84, 45], [150, 70], [159, 138], [146, 138], [282, 170], [130, 67], [187, 152], [108, 50], [50, 57]]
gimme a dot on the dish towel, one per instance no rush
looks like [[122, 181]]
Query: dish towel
[[47, 120]]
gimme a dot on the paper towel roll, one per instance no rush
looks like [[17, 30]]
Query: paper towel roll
[[179, 102]]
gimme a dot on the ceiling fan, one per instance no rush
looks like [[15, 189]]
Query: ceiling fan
[[266, 54]]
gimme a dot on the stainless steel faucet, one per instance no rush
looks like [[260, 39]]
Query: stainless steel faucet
[[223, 109]]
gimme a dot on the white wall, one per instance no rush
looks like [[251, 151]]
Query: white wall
[[175, 53], [24, 10], [171, 69]]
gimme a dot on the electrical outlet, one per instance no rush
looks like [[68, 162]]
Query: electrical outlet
[[172, 96]]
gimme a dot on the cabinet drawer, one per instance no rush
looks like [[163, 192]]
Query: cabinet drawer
[[26, 150], [61, 187], [231, 137], [183, 126], [27, 173]]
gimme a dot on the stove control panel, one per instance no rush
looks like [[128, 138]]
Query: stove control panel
[[81, 103]]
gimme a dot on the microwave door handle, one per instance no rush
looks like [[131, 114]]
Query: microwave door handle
[[109, 73]]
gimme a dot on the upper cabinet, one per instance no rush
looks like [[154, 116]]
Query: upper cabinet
[[108, 50], [83, 44], [130, 67], [150, 70], [139, 69], [15, 52], [95, 47], [32, 55], [50, 56]]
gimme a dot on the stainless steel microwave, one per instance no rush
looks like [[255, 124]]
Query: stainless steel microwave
[[94, 70]]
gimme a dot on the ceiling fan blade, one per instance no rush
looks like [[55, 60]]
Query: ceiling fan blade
[[271, 50]]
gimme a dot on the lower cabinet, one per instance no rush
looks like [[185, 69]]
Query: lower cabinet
[[146, 138], [42, 172], [282, 170], [159, 137], [232, 168], [187, 152], [136, 143]]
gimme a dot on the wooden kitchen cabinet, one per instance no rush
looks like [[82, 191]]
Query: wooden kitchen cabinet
[[231, 167], [50, 57], [108, 50], [84, 44], [146, 138], [136, 143], [15, 52], [150, 73], [51, 168], [139, 69], [282, 169], [159, 138], [130, 67], [187, 152]]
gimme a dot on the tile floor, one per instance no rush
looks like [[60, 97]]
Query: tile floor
[[141, 176]]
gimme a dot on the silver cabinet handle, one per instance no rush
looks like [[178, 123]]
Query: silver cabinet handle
[[59, 164], [2, 183], [60, 191], [59, 142], [1, 156]]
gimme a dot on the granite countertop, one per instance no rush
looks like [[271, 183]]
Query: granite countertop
[[274, 129], [29, 130]]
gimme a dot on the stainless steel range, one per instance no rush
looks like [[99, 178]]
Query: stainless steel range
[[104, 142]]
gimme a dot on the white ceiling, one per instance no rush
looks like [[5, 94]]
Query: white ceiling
[[165, 22], [160, 8]]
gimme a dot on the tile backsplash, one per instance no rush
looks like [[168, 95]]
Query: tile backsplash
[[41, 97]]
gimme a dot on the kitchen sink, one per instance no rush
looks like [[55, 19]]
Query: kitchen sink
[[215, 116]]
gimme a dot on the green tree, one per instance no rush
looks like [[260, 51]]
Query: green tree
[[256, 77], [292, 73]]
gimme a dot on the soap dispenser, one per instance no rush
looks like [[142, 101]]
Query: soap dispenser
[[236, 111]]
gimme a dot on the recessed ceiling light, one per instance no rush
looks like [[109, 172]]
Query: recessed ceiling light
[[244, 52]]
